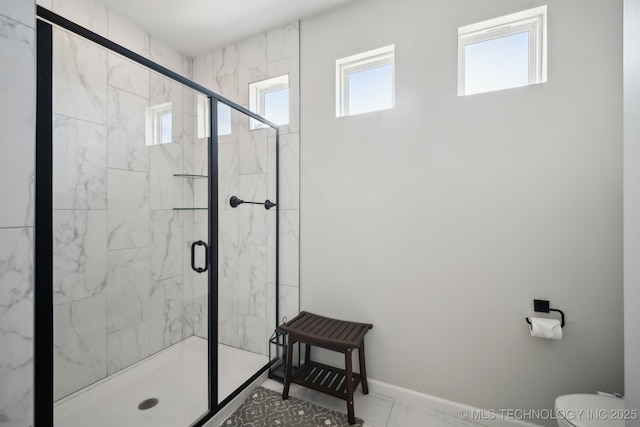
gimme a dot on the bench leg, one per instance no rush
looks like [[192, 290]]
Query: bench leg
[[307, 353], [363, 369], [287, 371], [349, 380]]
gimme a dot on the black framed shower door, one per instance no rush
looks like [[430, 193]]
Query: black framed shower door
[[45, 207]]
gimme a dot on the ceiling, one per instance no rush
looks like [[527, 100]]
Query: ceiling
[[195, 26]]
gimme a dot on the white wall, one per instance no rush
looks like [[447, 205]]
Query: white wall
[[632, 204], [439, 221]]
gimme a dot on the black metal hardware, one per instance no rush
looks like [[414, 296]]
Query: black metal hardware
[[235, 202], [193, 256], [542, 306]]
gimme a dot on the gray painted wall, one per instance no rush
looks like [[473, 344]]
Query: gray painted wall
[[632, 205], [440, 220]]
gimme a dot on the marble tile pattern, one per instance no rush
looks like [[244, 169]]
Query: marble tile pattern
[[48, 4], [289, 253], [200, 322], [126, 34], [228, 248], [228, 122], [91, 14], [227, 174], [253, 218], [127, 346], [188, 137], [17, 116], [165, 314], [127, 121], [247, 168], [252, 148], [79, 78], [253, 334], [80, 344], [128, 288], [164, 55], [167, 243], [79, 164], [226, 85], [252, 64], [252, 281], [91, 89], [80, 254], [16, 326], [225, 61], [19, 11], [166, 190], [87, 214], [228, 313], [203, 70], [17, 121], [128, 76], [187, 284], [128, 210], [283, 42], [291, 66], [162, 91]]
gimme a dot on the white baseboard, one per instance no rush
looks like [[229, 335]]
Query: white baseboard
[[414, 399]]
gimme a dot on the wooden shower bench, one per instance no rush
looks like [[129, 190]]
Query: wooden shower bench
[[337, 335]]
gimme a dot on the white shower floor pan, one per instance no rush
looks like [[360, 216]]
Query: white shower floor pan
[[177, 377]]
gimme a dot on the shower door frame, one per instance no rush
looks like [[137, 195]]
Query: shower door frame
[[43, 251]]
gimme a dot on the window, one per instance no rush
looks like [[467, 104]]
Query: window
[[365, 82], [502, 53], [203, 117], [159, 124], [270, 99]]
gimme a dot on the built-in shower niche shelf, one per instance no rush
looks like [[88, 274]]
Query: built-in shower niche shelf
[[192, 176]]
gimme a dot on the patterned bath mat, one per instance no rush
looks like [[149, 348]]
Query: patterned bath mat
[[265, 408]]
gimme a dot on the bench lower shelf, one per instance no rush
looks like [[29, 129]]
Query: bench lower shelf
[[325, 379]]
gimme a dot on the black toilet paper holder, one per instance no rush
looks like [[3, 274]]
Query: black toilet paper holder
[[542, 306]]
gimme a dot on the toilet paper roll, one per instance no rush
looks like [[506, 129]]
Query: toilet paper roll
[[546, 328]]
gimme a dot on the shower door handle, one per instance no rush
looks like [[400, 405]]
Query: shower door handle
[[193, 256]]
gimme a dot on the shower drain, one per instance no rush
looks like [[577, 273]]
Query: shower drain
[[148, 404]]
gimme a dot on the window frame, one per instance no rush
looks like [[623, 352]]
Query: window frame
[[362, 62], [153, 123], [257, 92], [531, 21]]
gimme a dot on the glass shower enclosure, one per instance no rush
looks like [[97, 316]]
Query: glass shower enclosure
[[156, 223]]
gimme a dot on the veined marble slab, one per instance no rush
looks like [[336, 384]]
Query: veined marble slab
[[166, 314], [16, 326], [79, 164], [79, 78], [128, 213], [80, 344], [79, 254], [129, 288], [167, 243]]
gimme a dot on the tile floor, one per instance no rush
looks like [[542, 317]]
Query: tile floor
[[377, 410]]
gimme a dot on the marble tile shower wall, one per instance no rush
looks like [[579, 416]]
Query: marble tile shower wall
[[247, 289], [17, 148], [121, 286]]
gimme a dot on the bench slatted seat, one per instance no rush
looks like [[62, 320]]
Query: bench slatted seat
[[337, 335]]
